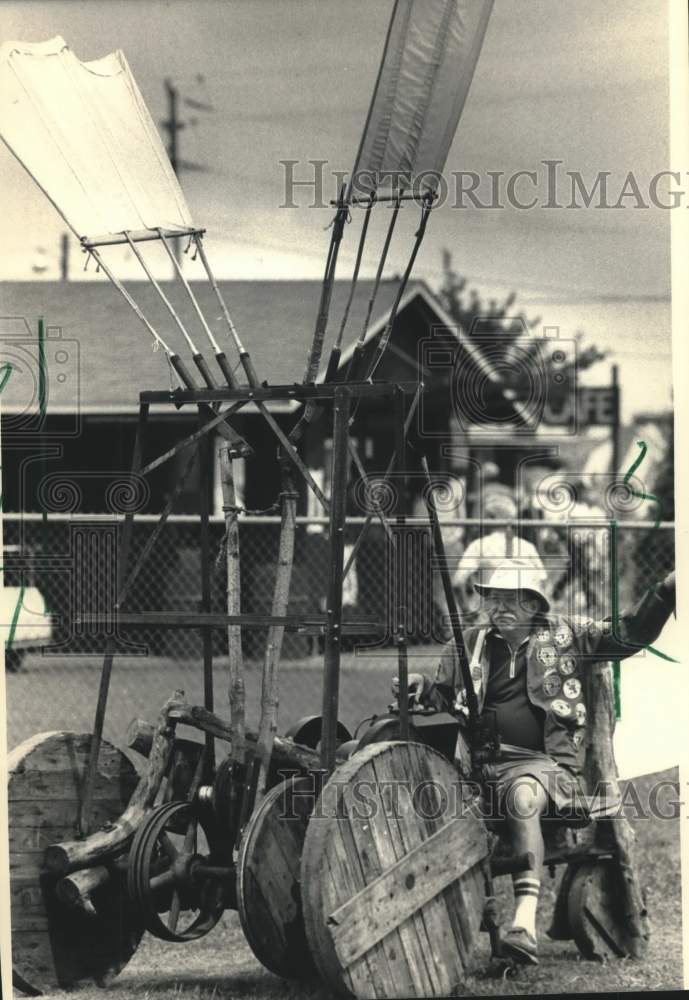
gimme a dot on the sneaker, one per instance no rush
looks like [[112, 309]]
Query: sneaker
[[520, 946]]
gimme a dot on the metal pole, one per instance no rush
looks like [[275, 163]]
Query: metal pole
[[385, 336], [334, 361], [359, 347], [402, 581], [338, 512], [439, 548], [104, 688], [205, 467], [615, 614], [615, 429]]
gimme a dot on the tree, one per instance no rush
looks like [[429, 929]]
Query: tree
[[505, 334]]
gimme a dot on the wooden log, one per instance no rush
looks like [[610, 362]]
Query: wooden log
[[237, 692], [268, 724], [615, 831], [76, 889], [286, 755], [140, 736], [72, 855]]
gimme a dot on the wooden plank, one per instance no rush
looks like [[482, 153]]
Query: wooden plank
[[392, 897], [461, 901], [56, 786], [360, 979], [431, 919], [368, 837], [344, 845], [413, 935]]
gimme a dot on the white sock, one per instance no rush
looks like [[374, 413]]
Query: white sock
[[526, 890]]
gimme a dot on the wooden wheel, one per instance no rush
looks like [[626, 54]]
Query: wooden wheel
[[268, 871], [391, 876], [595, 911], [54, 944]]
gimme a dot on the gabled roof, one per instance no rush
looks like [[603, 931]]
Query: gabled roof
[[275, 320], [417, 290]]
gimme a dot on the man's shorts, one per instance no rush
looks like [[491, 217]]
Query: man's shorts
[[566, 796]]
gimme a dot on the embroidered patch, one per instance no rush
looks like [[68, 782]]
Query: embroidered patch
[[580, 713], [476, 674], [563, 637], [542, 635], [547, 656], [572, 687], [567, 665], [561, 708], [551, 685]]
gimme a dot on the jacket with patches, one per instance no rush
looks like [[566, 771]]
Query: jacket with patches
[[559, 649]]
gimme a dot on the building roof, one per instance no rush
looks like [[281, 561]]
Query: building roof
[[275, 320]]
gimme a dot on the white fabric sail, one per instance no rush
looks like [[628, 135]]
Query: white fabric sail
[[84, 133], [430, 55]]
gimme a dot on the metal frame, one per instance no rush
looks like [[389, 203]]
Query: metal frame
[[340, 398]]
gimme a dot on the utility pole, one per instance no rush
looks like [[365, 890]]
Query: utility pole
[[64, 257], [173, 126]]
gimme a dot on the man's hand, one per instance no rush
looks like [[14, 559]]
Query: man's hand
[[417, 685]]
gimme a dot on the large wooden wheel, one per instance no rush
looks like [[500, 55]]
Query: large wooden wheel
[[392, 882], [54, 944], [595, 908], [268, 872]]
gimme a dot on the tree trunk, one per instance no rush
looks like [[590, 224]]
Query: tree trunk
[[267, 730], [72, 855], [615, 831]]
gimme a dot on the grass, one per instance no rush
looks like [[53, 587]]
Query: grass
[[221, 966]]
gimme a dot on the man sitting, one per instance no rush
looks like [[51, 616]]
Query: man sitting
[[529, 667]]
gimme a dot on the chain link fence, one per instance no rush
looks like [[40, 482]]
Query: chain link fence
[[66, 567]]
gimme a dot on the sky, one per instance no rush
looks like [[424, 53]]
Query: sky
[[582, 82]]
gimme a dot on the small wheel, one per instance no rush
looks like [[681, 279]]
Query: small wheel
[[175, 868], [595, 912]]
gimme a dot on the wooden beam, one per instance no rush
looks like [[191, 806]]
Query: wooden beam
[[398, 893]]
